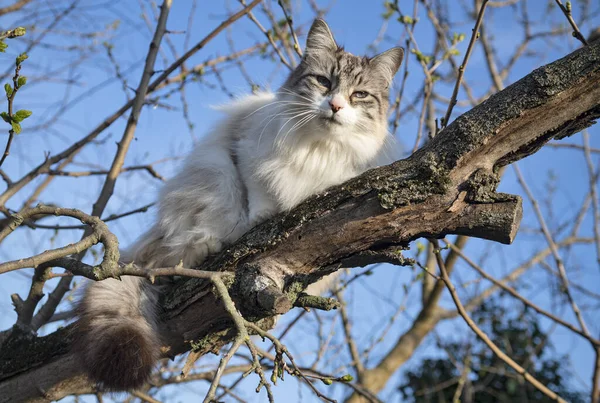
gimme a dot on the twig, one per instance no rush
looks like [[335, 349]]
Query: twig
[[573, 146], [269, 37], [200, 68], [559, 263], [210, 397], [463, 66], [11, 135], [55, 21], [241, 338], [596, 379], [111, 217], [514, 293], [280, 33], [144, 397], [99, 232], [463, 378], [12, 33], [5, 178], [398, 100], [138, 102], [282, 350], [567, 12], [356, 359], [593, 192], [499, 353], [148, 168], [10, 117], [25, 309], [288, 18]]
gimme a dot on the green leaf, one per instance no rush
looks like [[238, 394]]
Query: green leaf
[[421, 57], [456, 38], [21, 58], [16, 127], [21, 115], [3, 46], [327, 381], [405, 19], [22, 81], [19, 31], [5, 117], [387, 15], [347, 378], [8, 89]]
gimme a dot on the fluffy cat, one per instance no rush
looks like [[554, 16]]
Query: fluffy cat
[[325, 125]]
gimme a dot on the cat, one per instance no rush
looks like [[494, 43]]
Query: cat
[[325, 125]]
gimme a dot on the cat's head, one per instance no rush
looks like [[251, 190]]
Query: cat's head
[[337, 94]]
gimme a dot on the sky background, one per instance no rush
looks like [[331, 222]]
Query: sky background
[[162, 132]]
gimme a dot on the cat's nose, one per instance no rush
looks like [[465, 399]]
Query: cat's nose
[[336, 103]]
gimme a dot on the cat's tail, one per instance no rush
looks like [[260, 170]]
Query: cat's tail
[[116, 338]]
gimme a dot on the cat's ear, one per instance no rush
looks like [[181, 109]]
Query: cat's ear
[[320, 38], [388, 62]]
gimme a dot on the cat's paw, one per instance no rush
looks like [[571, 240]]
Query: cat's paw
[[260, 216], [198, 251]]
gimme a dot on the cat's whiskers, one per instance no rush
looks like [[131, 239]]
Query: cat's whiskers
[[290, 92], [288, 121], [279, 101], [282, 113], [285, 113], [302, 122]]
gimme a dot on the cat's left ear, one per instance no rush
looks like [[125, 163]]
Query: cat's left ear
[[388, 62], [320, 39]]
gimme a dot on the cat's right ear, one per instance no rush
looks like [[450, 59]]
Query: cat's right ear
[[320, 39]]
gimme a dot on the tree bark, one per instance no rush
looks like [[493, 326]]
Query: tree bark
[[446, 187]]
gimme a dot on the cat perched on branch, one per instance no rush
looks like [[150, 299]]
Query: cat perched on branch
[[325, 125]]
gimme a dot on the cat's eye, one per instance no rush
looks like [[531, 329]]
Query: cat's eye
[[360, 94], [324, 81]]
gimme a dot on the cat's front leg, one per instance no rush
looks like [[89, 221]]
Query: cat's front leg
[[261, 205]]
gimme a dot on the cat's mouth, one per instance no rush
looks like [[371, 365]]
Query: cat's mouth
[[333, 120]]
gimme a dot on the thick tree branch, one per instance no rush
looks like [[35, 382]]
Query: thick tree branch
[[447, 187]]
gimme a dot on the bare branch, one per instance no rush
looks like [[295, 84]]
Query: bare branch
[[567, 12], [499, 353], [463, 66]]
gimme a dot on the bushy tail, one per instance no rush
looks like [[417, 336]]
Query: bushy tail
[[116, 338]]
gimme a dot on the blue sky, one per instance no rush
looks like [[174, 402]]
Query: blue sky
[[163, 133]]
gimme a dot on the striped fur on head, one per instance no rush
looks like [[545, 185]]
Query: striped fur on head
[[363, 83]]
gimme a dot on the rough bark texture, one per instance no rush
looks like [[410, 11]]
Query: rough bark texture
[[447, 187]]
